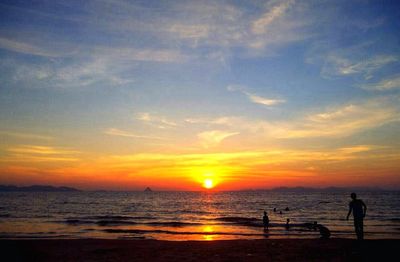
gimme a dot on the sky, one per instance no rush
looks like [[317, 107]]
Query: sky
[[122, 95]]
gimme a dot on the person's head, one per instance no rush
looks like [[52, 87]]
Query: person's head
[[265, 213], [287, 220], [353, 196]]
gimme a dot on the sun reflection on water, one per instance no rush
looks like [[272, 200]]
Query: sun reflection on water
[[208, 229]]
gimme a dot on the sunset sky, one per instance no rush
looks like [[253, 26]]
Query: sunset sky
[[247, 94]]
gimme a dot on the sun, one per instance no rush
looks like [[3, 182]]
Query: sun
[[208, 183]]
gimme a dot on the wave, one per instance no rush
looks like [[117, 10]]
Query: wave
[[124, 222], [113, 217], [114, 222], [144, 231], [76, 222], [237, 219], [174, 224], [117, 217], [170, 232], [186, 211]]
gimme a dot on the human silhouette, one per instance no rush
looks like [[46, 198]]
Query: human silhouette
[[265, 220], [274, 209], [359, 210], [287, 209], [287, 224]]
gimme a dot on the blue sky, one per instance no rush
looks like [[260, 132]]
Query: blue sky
[[108, 78]]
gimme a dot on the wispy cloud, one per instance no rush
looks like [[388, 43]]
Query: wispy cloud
[[224, 120], [190, 31], [262, 24], [214, 137], [342, 121], [36, 153], [78, 73], [26, 48], [222, 25], [26, 135], [155, 120], [337, 121], [340, 66], [140, 54], [43, 150], [384, 85], [264, 101], [256, 98], [118, 132]]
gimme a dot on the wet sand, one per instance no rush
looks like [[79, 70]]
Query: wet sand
[[223, 250]]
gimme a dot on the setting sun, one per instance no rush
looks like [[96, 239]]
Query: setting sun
[[208, 183]]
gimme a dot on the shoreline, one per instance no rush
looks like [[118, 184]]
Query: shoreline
[[335, 249]]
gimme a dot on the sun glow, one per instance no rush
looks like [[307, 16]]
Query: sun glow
[[208, 183]]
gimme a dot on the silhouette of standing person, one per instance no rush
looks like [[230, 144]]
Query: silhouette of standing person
[[265, 220], [287, 224], [359, 210]]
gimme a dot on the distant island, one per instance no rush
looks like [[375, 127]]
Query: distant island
[[37, 188], [148, 189]]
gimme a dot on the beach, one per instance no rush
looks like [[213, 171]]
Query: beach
[[222, 250]]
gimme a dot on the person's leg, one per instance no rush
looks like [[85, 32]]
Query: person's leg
[[358, 226], [361, 229]]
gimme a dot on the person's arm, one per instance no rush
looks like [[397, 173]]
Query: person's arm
[[350, 209], [365, 208]]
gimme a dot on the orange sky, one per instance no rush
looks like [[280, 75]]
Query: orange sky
[[356, 166]]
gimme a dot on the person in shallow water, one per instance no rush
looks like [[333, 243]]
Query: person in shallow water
[[287, 224], [265, 220], [359, 210]]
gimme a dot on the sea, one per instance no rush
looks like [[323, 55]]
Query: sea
[[184, 216]]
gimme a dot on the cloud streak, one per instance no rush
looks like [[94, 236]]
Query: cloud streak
[[384, 85], [118, 132], [256, 98], [340, 66], [339, 121], [214, 137], [25, 48], [262, 24], [26, 135], [155, 120], [342, 121], [264, 101], [39, 153]]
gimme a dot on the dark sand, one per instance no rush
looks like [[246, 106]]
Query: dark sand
[[229, 250]]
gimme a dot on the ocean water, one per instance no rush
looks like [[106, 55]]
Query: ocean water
[[191, 215]]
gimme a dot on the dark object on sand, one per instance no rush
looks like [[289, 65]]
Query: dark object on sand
[[325, 232]]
